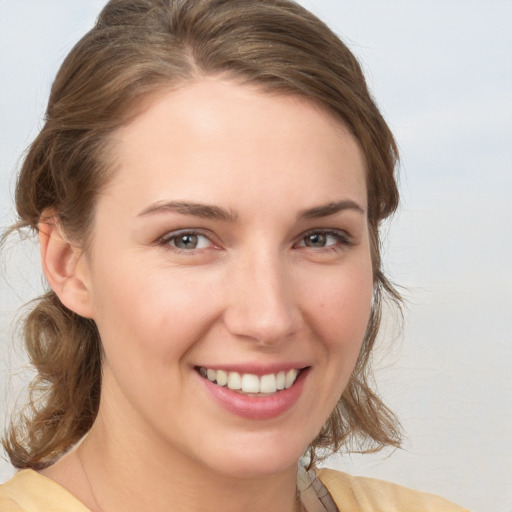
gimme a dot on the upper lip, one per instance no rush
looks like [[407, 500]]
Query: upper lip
[[256, 369]]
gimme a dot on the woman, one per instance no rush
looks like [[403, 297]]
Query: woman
[[208, 189]]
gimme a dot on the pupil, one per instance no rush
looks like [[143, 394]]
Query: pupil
[[316, 240], [187, 241]]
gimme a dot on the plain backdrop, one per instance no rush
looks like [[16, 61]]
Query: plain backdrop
[[441, 71]]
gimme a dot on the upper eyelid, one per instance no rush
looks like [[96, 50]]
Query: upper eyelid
[[212, 238], [343, 240], [164, 240], [334, 231], [185, 231]]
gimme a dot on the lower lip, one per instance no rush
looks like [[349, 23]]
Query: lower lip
[[257, 407]]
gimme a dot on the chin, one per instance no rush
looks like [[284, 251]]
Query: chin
[[258, 459]]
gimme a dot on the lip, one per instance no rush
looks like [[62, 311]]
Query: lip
[[257, 407]]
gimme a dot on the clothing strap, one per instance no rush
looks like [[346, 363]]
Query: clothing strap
[[312, 492]]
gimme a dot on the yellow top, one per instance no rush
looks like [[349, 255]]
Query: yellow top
[[361, 494], [29, 491]]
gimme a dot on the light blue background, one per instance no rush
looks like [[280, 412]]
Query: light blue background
[[442, 73]]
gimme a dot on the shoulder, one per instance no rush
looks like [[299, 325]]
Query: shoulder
[[8, 505], [28, 491], [361, 494]]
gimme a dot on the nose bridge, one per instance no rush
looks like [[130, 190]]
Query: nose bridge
[[263, 305]]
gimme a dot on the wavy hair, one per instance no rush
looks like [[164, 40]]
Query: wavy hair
[[136, 49]]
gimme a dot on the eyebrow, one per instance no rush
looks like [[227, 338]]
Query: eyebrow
[[330, 209], [185, 208], [206, 211]]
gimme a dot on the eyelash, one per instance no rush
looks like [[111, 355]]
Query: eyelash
[[165, 241], [342, 240]]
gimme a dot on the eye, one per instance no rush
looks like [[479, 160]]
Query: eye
[[324, 239], [186, 240]]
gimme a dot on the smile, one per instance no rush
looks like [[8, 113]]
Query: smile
[[250, 383]]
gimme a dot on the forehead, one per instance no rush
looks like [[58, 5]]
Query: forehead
[[214, 133]]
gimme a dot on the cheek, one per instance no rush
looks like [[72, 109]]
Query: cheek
[[339, 311], [148, 312], [147, 327], [341, 307]]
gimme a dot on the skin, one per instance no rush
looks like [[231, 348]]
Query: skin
[[255, 290]]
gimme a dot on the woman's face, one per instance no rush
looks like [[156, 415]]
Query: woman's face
[[232, 245]]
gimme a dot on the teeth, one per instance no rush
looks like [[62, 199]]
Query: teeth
[[222, 377], [280, 380], [268, 384], [250, 383], [234, 380], [291, 375]]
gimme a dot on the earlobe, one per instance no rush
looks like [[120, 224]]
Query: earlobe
[[64, 267]]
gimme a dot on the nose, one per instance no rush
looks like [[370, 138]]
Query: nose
[[262, 300]]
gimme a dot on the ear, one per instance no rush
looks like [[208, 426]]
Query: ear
[[64, 266]]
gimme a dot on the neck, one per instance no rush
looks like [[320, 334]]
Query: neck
[[118, 480]]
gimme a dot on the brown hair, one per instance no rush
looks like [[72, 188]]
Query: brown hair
[[137, 48]]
